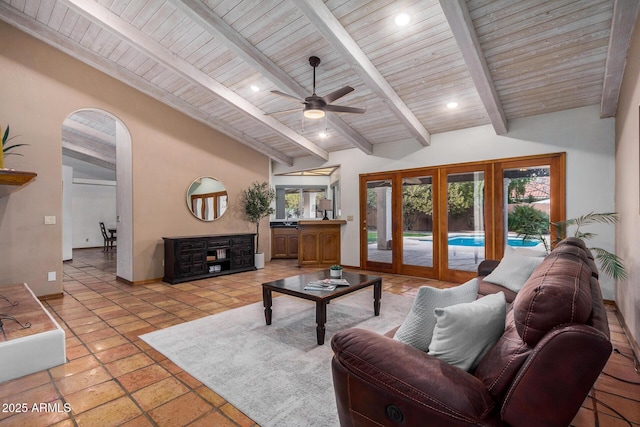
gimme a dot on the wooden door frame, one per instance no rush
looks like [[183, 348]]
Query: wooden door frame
[[493, 203]]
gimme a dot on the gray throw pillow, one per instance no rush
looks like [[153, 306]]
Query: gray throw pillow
[[513, 271], [417, 328], [465, 332]]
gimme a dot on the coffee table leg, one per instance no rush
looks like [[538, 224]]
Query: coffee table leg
[[266, 300], [321, 319], [377, 294]]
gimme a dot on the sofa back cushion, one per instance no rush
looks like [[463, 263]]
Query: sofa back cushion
[[558, 291]]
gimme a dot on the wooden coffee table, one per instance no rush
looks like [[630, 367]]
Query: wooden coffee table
[[294, 286]]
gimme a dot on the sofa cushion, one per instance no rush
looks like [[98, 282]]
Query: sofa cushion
[[464, 332], [417, 328], [513, 271], [557, 292]]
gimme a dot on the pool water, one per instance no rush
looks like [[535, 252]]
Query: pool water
[[472, 241]]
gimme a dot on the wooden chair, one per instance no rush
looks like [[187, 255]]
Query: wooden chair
[[109, 240]]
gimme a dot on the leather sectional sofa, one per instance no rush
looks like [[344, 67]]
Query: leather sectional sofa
[[554, 346]]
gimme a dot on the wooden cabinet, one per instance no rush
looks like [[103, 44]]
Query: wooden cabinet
[[284, 242], [319, 242], [198, 257]]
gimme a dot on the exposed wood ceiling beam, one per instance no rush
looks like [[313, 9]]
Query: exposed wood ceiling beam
[[625, 13], [114, 24], [215, 25], [47, 35], [105, 151], [89, 132], [331, 29], [88, 155], [464, 32]]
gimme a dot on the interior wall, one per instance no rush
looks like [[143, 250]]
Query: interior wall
[[627, 192], [169, 150], [67, 213], [589, 147], [91, 204]]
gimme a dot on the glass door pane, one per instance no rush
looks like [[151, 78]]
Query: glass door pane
[[527, 206], [465, 220], [417, 221], [379, 222]]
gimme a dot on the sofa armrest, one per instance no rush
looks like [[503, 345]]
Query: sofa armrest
[[487, 266], [379, 378], [565, 364]]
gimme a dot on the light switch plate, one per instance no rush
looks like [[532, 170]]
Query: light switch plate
[[49, 220], [51, 276]]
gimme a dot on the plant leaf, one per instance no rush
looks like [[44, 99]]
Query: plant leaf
[[10, 147], [5, 136], [611, 264]]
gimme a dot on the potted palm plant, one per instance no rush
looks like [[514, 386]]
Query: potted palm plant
[[7, 148], [256, 204], [611, 264]]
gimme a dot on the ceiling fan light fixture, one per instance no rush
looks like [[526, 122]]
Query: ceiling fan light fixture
[[314, 113]]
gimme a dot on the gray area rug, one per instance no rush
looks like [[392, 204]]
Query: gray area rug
[[277, 375]]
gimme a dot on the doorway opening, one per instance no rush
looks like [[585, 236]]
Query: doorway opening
[[96, 162]]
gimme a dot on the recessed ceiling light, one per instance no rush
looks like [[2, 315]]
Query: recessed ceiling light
[[323, 135], [452, 105], [402, 19], [255, 88]]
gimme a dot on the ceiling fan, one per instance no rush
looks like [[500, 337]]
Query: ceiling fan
[[315, 107]]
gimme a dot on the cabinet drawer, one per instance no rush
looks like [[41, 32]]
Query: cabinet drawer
[[223, 243], [242, 240], [191, 244]]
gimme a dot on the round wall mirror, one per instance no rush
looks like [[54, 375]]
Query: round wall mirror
[[207, 198]]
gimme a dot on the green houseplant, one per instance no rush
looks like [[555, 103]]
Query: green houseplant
[[256, 204], [611, 264], [7, 148]]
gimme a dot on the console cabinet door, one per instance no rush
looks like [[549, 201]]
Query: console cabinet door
[[242, 252]]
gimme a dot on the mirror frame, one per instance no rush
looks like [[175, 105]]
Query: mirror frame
[[219, 200]]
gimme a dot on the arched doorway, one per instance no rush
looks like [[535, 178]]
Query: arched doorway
[[96, 159]]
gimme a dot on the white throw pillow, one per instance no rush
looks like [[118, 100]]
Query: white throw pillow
[[417, 328], [465, 332], [513, 271], [510, 250]]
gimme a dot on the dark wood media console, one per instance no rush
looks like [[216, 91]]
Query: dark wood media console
[[198, 257]]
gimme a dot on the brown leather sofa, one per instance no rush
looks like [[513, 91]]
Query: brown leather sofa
[[555, 344]]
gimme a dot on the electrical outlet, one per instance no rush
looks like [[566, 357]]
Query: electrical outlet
[[349, 217], [49, 220], [51, 276]]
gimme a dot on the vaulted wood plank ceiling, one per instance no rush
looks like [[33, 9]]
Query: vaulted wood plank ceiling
[[497, 59]]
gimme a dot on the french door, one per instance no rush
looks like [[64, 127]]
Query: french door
[[441, 222]]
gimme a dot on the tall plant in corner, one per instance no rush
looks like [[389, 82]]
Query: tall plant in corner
[[256, 202], [611, 264], [6, 148]]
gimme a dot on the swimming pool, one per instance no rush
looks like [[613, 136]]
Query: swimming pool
[[472, 241]]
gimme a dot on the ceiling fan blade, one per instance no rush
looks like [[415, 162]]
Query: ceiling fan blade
[[293, 110], [285, 95], [337, 94], [341, 109]]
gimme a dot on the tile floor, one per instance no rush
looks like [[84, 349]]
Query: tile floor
[[113, 378]]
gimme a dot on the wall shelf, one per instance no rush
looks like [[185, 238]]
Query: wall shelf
[[11, 181]]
